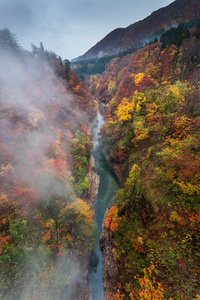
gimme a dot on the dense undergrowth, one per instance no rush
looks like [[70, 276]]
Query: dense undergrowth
[[152, 131]]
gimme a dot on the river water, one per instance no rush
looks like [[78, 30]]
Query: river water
[[107, 189]]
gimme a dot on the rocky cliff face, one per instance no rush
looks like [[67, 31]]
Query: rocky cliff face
[[93, 179], [110, 272], [80, 289]]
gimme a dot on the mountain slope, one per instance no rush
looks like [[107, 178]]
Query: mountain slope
[[122, 38], [151, 136], [45, 116]]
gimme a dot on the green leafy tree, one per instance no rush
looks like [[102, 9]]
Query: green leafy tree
[[14, 255]]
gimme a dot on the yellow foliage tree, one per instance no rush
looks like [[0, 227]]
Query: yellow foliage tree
[[149, 288], [138, 77], [125, 110], [111, 84], [128, 107], [140, 129]]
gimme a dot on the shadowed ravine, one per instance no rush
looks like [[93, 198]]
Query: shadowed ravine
[[107, 189]]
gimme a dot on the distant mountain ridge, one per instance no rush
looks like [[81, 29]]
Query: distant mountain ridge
[[120, 39]]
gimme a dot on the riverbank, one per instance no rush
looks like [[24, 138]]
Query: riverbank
[[100, 278], [108, 185]]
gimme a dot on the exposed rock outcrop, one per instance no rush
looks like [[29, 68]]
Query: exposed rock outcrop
[[94, 181], [117, 169], [110, 272], [81, 287]]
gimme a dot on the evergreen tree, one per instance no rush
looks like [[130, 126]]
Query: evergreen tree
[[175, 36], [8, 40], [41, 47], [155, 40], [67, 65], [198, 31], [34, 49]]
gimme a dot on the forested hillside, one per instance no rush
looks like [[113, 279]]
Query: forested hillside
[[46, 229], [152, 138], [122, 39]]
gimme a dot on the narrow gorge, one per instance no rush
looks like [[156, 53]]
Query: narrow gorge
[[107, 189]]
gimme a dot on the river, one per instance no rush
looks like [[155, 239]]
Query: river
[[107, 189]]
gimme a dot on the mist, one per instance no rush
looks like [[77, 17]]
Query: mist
[[67, 30], [39, 116]]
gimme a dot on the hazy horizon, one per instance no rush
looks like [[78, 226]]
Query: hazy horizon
[[70, 28]]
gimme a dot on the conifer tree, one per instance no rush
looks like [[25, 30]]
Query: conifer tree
[[8, 40]]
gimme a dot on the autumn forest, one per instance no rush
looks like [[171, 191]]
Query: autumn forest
[[46, 226], [151, 138]]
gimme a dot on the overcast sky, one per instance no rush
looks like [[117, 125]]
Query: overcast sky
[[71, 27]]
